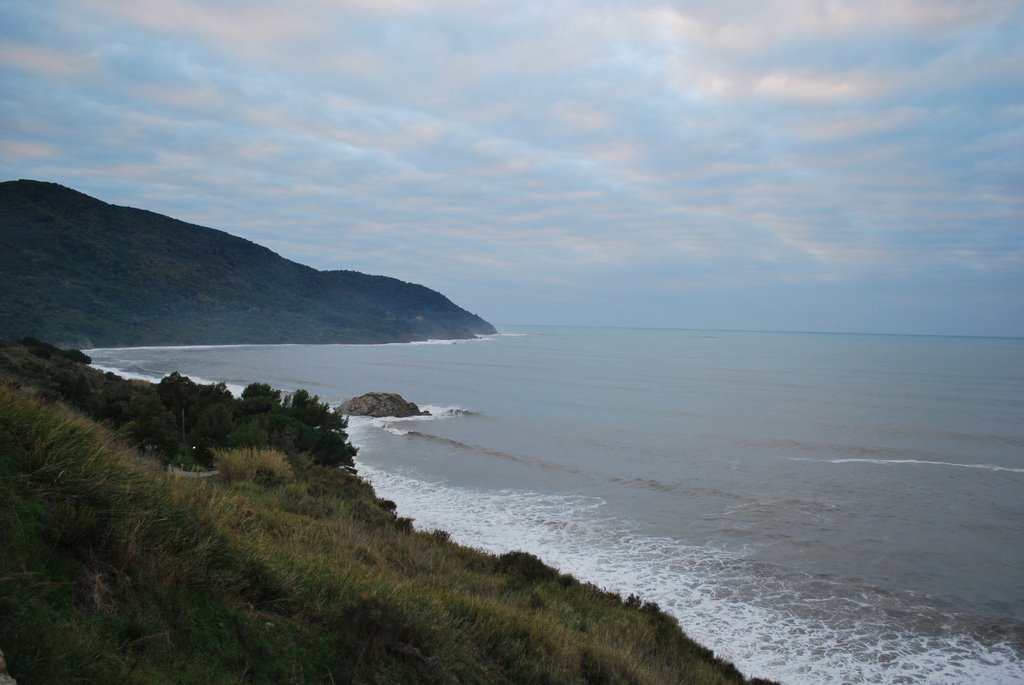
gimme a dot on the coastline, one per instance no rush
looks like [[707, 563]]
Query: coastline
[[363, 470], [734, 596], [214, 346], [304, 558]]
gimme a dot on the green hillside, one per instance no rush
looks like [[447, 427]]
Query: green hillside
[[85, 273], [277, 570]]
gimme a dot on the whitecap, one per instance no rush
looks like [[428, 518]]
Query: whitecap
[[794, 627], [128, 375], [924, 462], [234, 388]]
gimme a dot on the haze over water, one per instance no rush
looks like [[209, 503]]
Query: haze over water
[[816, 508]]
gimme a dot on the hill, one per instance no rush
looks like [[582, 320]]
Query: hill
[[81, 272], [277, 570]]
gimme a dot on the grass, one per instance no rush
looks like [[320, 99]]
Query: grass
[[267, 466], [281, 572]]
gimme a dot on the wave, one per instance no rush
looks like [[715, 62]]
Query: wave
[[187, 347], [984, 467], [648, 483], [439, 412], [359, 425], [436, 413], [393, 430], [445, 341], [791, 626], [432, 341], [476, 449], [128, 374], [480, 450]]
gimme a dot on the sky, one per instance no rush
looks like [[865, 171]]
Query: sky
[[813, 165]]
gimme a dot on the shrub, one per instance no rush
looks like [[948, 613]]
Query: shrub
[[265, 466], [248, 434], [212, 429], [526, 566], [295, 497], [45, 350]]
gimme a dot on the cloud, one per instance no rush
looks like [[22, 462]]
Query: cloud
[[25, 150], [40, 61], [249, 27], [796, 86], [573, 152]]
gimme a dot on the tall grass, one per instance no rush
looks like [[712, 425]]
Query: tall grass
[[262, 465], [112, 572]]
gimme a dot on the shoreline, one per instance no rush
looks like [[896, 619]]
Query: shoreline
[[307, 561], [702, 589], [214, 346], [904, 641]]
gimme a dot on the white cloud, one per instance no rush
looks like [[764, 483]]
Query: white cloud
[[566, 143], [25, 149], [796, 86], [42, 61]]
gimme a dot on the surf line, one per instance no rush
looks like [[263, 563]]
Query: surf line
[[986, 467]]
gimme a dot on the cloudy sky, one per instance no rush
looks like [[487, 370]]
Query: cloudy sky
[[752, 164]]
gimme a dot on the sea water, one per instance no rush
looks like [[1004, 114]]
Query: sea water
[[815, 508]]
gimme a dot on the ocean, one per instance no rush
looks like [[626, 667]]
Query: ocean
[[813, 507]]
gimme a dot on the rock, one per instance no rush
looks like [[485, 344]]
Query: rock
[[380, 404]]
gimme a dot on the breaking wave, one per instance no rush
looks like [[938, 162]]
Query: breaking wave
[[924, 462], [791, 626]]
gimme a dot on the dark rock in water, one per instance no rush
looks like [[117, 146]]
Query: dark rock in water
[[380, 404]]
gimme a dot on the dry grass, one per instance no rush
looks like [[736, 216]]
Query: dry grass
[[259, 465], [281, 572]]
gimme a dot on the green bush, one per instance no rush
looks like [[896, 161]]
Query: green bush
[[248, 434], [526, 566]]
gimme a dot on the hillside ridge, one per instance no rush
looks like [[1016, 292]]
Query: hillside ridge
[[85, 273]]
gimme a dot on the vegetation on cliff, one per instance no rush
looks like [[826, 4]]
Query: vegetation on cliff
[[80, 271], [178, 421], [114, 570]]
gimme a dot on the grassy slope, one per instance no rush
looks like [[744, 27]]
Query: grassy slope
[[112, 571]]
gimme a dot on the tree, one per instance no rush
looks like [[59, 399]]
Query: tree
[[312, 412], [187, 399], [178, 394], [248, 434], [259, 398], [152, 425], [213, 427]]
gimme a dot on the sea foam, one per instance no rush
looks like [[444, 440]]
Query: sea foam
[[797, 628]]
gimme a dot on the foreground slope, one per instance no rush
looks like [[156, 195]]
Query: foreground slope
[[83, 272], [111, 570]]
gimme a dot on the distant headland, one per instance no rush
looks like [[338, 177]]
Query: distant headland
[[81, 272]]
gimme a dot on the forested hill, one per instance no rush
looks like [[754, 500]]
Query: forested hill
[[78, 271]]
